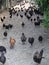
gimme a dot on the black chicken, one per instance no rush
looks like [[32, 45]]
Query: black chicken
[[38, 56], [37, 23], [25, 13], [17, 14], [40, 38], [31, 20], [31, 12], [5, 34], [10, 16], [2, 49], [10, 26], [34, 19], [23, 24], [2, 59], [28, 17], [21, 16], [7, 27], [31, 40], [3, 25], [23, 38], [2, 19]]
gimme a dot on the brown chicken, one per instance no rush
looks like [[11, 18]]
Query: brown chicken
[[12, 42]]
